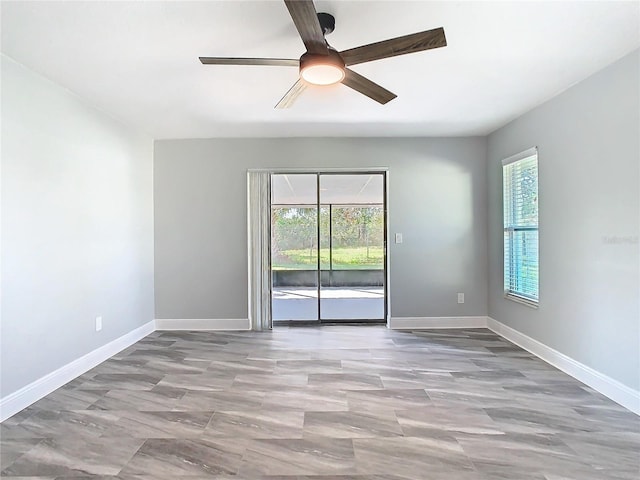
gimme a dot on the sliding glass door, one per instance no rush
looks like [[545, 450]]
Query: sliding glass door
[[294, 248], [328, 259], [352, 245]]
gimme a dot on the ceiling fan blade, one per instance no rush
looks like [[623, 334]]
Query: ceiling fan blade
[[291, 96], [415, 42], [305, 18], [367, 87], [277, 62]]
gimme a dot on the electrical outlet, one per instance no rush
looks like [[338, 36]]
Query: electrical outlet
[[98, 324], [461, 298], [398, 238]]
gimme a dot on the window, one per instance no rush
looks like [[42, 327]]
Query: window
[[520, 202]]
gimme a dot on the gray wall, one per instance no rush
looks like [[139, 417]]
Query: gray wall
[[437, 200], [589, 160], [77, 231]]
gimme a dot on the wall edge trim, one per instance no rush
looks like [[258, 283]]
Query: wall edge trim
[[607, 386], [43, 386], [418, 323], [213, 324]]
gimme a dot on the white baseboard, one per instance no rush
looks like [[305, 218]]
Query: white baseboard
[[21, 399], [616, 391], [202, 324], [417, 323]]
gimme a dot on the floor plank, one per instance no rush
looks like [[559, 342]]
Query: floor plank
[[328, 402]]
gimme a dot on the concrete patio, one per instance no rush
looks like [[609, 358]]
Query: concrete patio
[[336, 303]]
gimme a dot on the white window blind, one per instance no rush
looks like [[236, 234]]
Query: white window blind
[[520, 201]]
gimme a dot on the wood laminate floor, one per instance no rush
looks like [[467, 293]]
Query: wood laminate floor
[[331, 402]]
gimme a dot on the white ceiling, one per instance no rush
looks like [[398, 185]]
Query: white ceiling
[[138, 61]]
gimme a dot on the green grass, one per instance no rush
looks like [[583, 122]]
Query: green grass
[[343, 259]]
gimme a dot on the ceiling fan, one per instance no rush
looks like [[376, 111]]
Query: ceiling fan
[[323, 65]]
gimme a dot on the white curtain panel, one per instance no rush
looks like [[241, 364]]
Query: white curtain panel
[[259, 219]]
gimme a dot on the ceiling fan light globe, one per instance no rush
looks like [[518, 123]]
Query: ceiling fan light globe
[[318, 69], [322, 74]]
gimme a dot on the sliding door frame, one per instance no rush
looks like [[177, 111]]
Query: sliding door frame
[[384, 171]]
